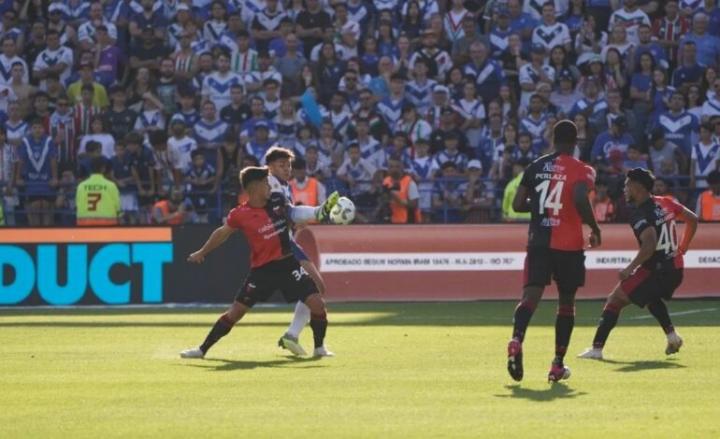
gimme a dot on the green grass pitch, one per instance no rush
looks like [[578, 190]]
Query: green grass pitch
[[402, 370]]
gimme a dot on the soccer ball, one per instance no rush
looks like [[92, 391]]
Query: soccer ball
[[343, 212]]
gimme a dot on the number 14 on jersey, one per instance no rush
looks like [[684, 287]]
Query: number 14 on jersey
[[551, 200]]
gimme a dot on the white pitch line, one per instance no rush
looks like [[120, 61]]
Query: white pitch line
[[681, 313]]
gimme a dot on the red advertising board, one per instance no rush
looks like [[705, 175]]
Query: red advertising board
[[473, 262]]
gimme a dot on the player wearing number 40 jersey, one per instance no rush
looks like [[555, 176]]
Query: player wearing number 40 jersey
[[657, 270], [554, 189], [265, 220]]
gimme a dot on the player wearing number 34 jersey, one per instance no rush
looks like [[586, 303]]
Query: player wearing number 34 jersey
[[554, 190], [265, 220]]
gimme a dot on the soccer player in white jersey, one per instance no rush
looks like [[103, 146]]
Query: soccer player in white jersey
[[279, 163]]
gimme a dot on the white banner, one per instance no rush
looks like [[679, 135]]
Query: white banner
[[484, 261]]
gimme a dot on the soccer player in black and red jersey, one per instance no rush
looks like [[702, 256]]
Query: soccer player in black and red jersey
[[265, 220], [657, 270], [554, 189]]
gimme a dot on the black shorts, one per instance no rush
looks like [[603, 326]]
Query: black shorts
[[645, 286], [285, 275], [544, 264]]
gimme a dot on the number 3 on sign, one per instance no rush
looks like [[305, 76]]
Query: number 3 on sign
[[551, 200], [93, 200]]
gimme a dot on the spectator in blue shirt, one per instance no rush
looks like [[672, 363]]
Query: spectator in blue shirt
[[615, 138], [647, 45], [689, 71], [521, 22], [708, 46]]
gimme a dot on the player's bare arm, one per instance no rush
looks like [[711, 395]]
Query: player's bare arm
[[648, 244], [216, 239], [691, 224], [582, 203], [520, 202]]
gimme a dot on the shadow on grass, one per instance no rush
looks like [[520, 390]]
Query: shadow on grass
[[642, 365], [228, 365], [475, 314], [555, 391]]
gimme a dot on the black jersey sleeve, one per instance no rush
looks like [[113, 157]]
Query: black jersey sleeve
[[528, 176], [639, 221]]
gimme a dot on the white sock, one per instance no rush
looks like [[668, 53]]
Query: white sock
[[300, 319]]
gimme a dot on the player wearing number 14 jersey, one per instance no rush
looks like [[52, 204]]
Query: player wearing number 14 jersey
[[554, 190], [657, 269]]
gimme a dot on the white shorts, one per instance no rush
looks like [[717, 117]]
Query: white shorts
[[129, 202]]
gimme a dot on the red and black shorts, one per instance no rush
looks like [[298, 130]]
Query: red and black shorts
[[284, 275], [645, 286], [543, 264]]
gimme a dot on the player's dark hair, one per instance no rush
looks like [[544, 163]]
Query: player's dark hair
[[713, 178], [158, 137], [230, 137], [523, 162], [134, 137], [97, 165], [278, 153], [252, 174], [92, 146], [642, 176], [299, 163], [565, 135]]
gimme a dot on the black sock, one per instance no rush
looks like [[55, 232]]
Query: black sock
[[319, 324], [523, 313], [564, 323], [218, 331], [608, 320], [659, 310]]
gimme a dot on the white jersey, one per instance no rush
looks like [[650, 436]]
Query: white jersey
[[706, 158], [49, 58], [550, 36], [534, 7], [216, 87], [280, 187], [6, 69], [182, 149], [528, 74], [86, 31], [631, 21], [711, 107]]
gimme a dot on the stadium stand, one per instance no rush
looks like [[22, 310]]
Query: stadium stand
[[178, 96]]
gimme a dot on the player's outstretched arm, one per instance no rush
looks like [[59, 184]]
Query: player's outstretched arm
[[691, 224], [520, 202], [582, 204], [218, 236]]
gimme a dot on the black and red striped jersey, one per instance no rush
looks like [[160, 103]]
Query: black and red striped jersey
[[266, 229], [555, 221], [660, 213]]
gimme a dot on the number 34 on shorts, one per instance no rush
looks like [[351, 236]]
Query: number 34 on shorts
[[299, 273]]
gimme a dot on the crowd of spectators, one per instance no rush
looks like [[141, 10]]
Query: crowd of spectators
[[459, 95]]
